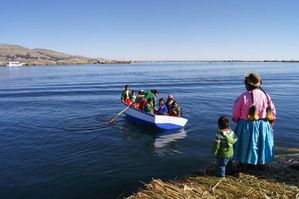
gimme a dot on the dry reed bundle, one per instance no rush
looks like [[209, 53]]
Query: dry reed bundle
[[271, 182]]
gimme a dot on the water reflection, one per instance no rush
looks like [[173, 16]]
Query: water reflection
[[166, 142]]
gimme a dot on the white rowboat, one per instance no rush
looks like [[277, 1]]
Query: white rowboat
[[160, 121]]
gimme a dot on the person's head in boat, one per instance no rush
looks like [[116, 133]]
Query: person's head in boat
[[140, 93], [133, 92], [170, 99], [169, 102], [252, 81], [155, 92], [149, 107], [175, 104], [127, 87], [161, 102], [133, 95]]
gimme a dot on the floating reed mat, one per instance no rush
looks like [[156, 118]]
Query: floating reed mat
[[270, 182], [292, 149], [281, 152]]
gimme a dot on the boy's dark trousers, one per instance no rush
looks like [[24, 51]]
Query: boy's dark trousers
[[223, 165]]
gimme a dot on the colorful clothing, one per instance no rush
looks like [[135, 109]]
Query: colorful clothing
[[169, 105], [244, 102], [149, 109], [133, 97], [142, 103], [223, 145], [126, 98], [163, 110], [150, 94], [223, 149], [256, 143], [175, 111], [139, 98]]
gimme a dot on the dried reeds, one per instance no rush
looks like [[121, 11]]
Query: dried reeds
[[270, 182]]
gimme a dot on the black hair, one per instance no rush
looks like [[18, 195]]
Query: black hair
[[154, 91], [250, 87], [149, 100], [161, 99], [223, 122]]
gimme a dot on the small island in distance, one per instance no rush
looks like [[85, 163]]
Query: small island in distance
[[43, 57]]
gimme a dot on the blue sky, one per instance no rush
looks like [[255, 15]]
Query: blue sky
[[156, 29]]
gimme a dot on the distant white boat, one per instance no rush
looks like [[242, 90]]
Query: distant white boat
[[14, 63]]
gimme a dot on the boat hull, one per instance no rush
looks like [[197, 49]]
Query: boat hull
[[14, 64], [160, 121]]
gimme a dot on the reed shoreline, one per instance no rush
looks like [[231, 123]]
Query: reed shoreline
[[280, 179]]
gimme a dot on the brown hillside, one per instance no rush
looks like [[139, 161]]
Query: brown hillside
[[38, 56]]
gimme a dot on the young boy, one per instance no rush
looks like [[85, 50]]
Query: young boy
[[223, 145]]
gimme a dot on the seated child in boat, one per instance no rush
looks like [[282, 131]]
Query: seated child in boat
[[162, 110], [152, 94], [223, 145], [133, 95], [175, 110], [149, 106], [169, 101], [140, 96], [140, 100]]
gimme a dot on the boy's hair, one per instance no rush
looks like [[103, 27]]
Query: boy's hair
[[223, 122]]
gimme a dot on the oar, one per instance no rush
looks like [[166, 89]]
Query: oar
[[113, 119]]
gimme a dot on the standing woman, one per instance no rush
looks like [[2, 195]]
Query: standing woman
[[254, 113]]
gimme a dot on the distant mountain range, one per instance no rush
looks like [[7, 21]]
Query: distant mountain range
[[39, 56]]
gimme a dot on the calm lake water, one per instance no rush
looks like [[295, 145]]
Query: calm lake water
[[55, 141]]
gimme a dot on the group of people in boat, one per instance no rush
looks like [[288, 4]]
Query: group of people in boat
[[251, 143], [147, 101]]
